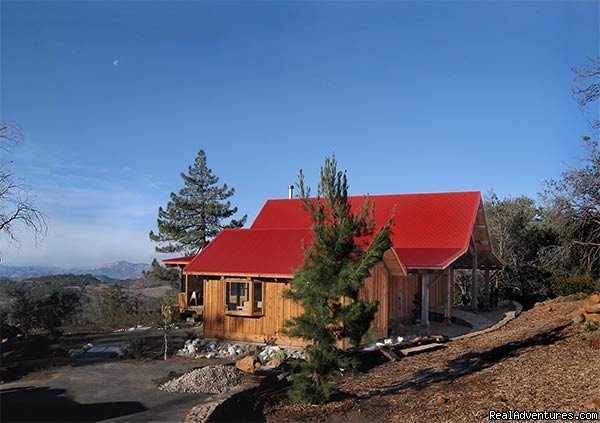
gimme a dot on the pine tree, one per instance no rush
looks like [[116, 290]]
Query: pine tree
[[197, 213], [344, 249], [162, 273]]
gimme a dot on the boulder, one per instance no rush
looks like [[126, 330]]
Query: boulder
[[276, 362], [592, 308], [500, 397], [246, 364], [593, 404], [440, 399], [592, 317], [594, 299], [578, 318]]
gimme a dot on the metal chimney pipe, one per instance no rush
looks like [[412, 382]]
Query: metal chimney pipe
[[290, 191]]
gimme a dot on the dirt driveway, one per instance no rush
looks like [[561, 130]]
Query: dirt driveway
[[114, 391]]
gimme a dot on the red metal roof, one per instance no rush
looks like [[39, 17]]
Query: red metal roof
[[252, 252], [429, 231], [178, 260]]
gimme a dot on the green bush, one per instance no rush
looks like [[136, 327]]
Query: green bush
[[136, 348], [7, 330], [47, 313], [115, 305], [23, 310], [573, 284]]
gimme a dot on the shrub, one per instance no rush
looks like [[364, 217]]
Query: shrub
[[591, 326], [56, 310], [47, 313], [136, 348], [23, 310], [573, 284], [7, 330], [114, 304]]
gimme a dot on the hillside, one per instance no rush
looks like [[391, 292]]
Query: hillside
[[539, 361], [107, 272]]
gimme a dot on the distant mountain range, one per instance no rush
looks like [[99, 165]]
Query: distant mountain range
[[108, 272]]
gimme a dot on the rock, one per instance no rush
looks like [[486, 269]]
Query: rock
[[578, 318], [246, 364], [440, 399], [276, 362], [593, 404], [592, 308], [231, 350], [211, 355], [594, 299], [190, 349], [500, 397], [592, 317]]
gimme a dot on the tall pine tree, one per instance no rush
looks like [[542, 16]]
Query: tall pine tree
[[344, 249], [197, 213]]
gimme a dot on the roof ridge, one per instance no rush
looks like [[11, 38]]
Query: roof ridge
[[388, 195]]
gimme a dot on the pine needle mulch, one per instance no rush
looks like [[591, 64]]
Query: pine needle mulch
[[537, 362]]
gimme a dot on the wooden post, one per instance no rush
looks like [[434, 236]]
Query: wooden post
[[425, 299], [448, 295], [486, 298], [187, 295], [474, 282]]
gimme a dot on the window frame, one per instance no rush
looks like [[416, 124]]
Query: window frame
[[250, 286]]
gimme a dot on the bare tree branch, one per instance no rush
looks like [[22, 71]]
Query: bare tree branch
[[17, 204]]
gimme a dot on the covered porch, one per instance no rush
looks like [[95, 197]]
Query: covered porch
[[478, 258], [190, 297]]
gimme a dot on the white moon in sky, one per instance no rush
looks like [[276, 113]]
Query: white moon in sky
[[115, 63]]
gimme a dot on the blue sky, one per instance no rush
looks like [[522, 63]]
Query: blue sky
[[115, 99]]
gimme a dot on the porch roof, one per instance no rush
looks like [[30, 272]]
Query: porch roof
[[178, 261], [252, 252]]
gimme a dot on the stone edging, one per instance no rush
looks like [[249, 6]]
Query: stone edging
[[508, 316]]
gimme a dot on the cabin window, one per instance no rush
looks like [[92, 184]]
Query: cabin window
[[258, 297], [244, 298]]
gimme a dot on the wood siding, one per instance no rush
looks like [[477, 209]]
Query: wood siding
[[401, 296], [277, 310], [394, 293], [376, 287]]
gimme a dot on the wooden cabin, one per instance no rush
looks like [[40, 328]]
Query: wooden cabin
[[237, 281]]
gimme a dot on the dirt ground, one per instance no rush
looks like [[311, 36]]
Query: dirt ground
[[537, 362], [124, 390]]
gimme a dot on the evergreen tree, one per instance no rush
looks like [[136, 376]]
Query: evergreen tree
[[195, 215], [344, 249], [161, 272]]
